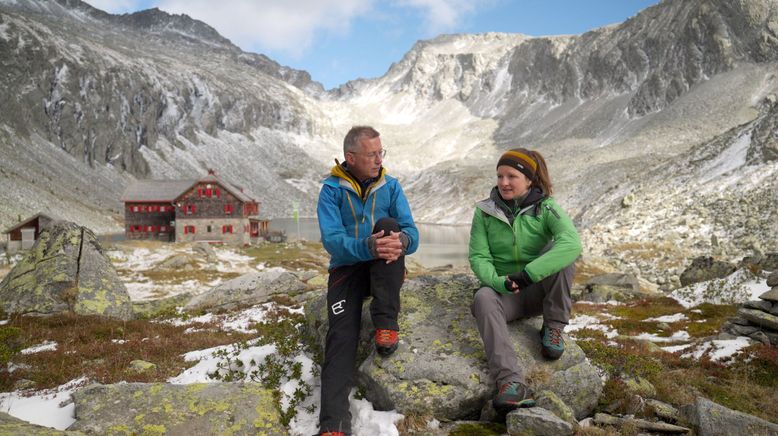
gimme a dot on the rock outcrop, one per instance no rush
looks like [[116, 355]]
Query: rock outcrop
[[247, 290], [440, 367], [706, 268], [65, 271], [757, 319], [710, 419], [157, 408]]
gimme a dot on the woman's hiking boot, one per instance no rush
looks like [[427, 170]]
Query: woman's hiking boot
[[552, 345], [386, 341], [511, 396]]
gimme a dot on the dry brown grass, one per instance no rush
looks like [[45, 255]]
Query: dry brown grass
[[413, 424], [585, 271], [299, 255], [85, 347], [747, 382]]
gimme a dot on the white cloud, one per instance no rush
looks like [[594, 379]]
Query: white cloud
[[289, 26], [442, 15]]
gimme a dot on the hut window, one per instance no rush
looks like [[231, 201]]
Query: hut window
[[227, 229], [228, 209]]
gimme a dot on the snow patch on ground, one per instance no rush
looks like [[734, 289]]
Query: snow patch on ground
[[49, 408], [46, 346], [678, 336], [719, 349], [668, 318], [738, 287], [589, 322]]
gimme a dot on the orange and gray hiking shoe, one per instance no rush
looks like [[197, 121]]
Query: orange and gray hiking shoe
[[552, 345], [385, 341], [511, 396]]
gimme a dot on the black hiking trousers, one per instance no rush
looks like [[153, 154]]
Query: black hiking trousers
[[348, 286]]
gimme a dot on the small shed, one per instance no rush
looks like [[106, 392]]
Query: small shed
[[23, 235]]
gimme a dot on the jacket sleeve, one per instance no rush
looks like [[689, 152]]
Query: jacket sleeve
[[481, 261], [567, 243], [333, 233], [401, 211]]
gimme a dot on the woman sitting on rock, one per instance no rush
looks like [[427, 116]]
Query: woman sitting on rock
[[522, 249]]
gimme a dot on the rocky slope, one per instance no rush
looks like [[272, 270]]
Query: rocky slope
[[141, 95], [661, 108]]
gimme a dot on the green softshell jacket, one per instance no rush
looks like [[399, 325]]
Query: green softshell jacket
[[498, 248]]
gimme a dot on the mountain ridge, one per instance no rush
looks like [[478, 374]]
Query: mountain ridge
[[606, 107]]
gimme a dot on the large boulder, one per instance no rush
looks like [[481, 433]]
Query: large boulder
[[611, 286], [65, 271], [711, 419], [159, 408], [440, 367], [248, 290], [706, 268]]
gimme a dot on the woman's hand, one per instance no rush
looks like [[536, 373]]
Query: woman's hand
[[511, 285]]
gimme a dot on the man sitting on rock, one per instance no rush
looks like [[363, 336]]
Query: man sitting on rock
[[367, 228]]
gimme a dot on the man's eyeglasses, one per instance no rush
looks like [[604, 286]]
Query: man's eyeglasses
[[373, 155]]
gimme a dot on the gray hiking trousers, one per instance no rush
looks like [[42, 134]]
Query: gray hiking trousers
[[493, 311]]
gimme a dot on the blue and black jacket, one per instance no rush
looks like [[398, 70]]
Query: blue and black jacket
[[347, 212]]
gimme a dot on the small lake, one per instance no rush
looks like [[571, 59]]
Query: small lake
[[440, 244]]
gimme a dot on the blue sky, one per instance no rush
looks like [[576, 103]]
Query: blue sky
[[341, 40]]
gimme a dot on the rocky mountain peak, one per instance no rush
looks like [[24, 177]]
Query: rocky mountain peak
[[160, 22]]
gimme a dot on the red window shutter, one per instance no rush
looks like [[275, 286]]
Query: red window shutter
[[193, 229], [194, 208], [199, 192], [217, 192], [208, 193]]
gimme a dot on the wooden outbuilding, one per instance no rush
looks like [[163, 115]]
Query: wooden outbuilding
[[23, 235]]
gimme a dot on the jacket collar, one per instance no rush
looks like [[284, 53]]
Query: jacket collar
[[496, 207], [347, 180]]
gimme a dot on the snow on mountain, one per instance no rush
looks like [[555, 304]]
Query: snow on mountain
[[673, 104]]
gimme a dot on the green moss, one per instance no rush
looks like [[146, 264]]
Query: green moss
[[707, 319], [480, 429], [119, 429], [648, 308], [10, 343], [150, 429], [621, 360], [97, 302]]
